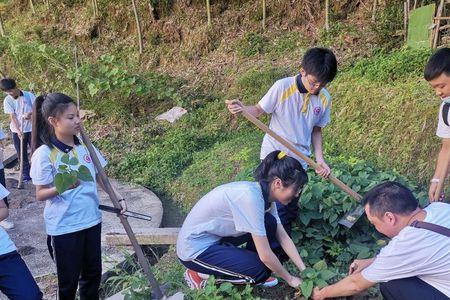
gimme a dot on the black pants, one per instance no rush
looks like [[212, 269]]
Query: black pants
[[78, 261], [410, 289], [3, 182], [16, 281], [26, 144]]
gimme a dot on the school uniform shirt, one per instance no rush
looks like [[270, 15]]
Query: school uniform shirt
[[6, 245], [443, 130], [75, 209], [14, 106], [417, 252], [2, 137], [295, 113], [229, 210]]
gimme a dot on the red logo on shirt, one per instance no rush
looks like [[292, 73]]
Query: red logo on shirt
[[317, 111], [87, 158]]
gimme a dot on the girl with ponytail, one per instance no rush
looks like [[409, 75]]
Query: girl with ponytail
[[72, 218], [243, 212]]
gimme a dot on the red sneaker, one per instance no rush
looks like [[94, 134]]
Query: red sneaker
[[193, 280]]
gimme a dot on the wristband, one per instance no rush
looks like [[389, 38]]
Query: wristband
[[434, 180]]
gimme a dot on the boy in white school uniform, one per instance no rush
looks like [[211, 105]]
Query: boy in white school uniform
[[18, 104]]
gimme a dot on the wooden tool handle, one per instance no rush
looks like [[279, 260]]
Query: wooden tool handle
[[308, 160]]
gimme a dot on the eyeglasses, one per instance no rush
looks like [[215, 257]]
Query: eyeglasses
[[315, 84]]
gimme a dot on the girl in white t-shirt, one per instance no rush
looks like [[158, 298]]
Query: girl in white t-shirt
[[72, 218], [243, 212]]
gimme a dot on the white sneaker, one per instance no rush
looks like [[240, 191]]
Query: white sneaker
[[7, 224]]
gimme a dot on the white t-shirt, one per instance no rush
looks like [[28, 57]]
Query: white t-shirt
[[14, 106], [285, 102], [417, 252], [229, 210], [75, 209], [6, 245], [443, 131]]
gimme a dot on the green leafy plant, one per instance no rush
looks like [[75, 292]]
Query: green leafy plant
[[68, 176], [318, 276]]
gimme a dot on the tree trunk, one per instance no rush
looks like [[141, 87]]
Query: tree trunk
[[327, 20], [138, 25], [208, 12]]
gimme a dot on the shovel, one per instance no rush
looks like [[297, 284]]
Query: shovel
[[20, 181], [350, 218]]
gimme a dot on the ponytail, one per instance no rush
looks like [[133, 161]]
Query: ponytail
[[278, 165], [45, 106]]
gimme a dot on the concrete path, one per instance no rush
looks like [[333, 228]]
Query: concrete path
[[29, 232]]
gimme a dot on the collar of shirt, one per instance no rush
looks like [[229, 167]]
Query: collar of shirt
[[62, 146], [265, 191], [300, 86], [20, 95]]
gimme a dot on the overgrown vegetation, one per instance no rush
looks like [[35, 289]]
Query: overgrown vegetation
[[382, 110]]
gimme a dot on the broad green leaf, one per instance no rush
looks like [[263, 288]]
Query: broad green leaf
[[327, 274], [65, 158], [73, 161], [84, 174], [62, 182], [320, 283], [62, 168], [320, 265], [307, 287]]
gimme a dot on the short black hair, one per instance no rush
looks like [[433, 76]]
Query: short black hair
[[7, 84], [438, 64], [391, 197], [321, 63]]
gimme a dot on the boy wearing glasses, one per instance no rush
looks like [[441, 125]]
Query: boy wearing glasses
[[300, 108]]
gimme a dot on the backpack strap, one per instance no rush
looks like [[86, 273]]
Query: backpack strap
[[445, 110], [432, 227]]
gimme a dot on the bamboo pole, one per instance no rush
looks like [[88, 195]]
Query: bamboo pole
[[374, 10], [2, 29], [32, 7], [208, 12], [327, 20], [405, 19], [138, 25], [143, 262], [264, 14], [151, 11]]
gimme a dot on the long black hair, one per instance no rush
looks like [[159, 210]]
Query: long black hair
[[45, 106], [287, 168]]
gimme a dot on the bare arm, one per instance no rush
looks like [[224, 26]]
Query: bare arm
[[440, 169], [348, 286], [15, 122], [267, 256], [316, 139], [45, 192], [122, 201], [289, 247], [4, 212], [236, 107]]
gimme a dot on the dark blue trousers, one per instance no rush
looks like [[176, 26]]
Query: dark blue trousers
[[410, 289], [16, 281], [229, 262]]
